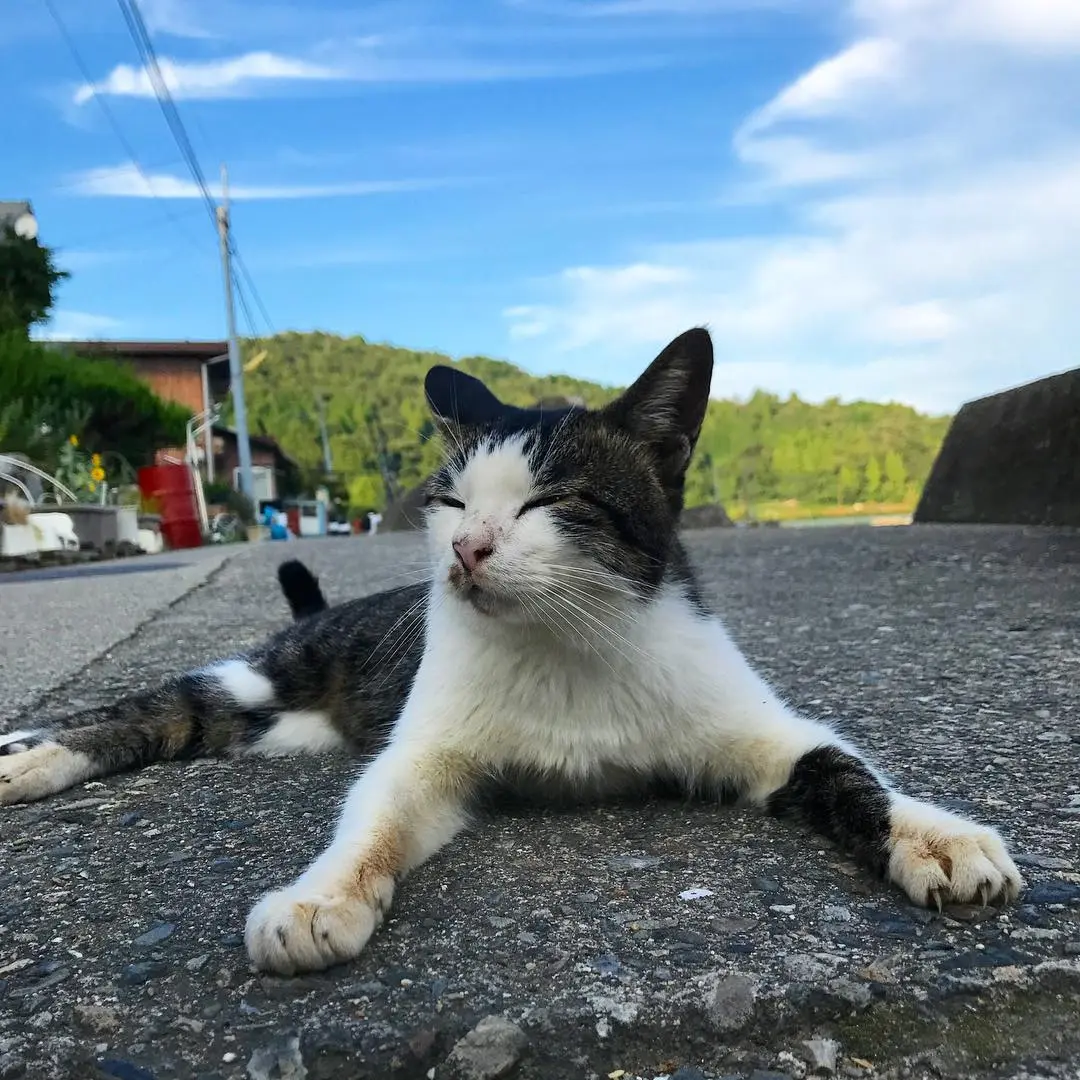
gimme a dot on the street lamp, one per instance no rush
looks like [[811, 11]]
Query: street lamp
[[26, 225]]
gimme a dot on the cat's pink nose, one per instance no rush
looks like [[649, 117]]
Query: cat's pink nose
[[471, 552]]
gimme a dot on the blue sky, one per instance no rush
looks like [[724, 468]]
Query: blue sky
[[861, 198]]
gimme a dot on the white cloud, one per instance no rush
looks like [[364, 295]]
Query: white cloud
[[370, 60], [793, 161], [1040, 25], [229, 77], [930, 173], [832, 83], [929, 297], [75, 260], [77, 326], [125, 181], [606, 9], [175, 18]]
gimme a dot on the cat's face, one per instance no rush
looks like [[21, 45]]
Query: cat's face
[[540, 518]]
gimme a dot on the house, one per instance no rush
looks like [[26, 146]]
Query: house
[[275, 473], [194, 374], [11, 211]]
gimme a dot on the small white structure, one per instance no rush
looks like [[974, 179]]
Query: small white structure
[[17, 541], [54, 531]]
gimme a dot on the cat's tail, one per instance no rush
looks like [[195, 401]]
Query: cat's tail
[[301, 589], [227, 707]]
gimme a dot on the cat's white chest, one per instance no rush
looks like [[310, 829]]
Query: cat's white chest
[[631, 703]]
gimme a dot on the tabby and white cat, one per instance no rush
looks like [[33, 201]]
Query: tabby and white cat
[[562, 647]]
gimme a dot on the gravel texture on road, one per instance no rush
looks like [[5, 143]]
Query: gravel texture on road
[[658, 940]]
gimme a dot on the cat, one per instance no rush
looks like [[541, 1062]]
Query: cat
[[562, 645]]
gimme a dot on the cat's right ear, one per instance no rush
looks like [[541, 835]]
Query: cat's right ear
[[665, 407]]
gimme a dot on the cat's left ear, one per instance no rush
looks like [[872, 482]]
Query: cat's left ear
[[459, 399], [665, 408]]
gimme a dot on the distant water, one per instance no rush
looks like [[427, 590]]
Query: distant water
[[851, 519]]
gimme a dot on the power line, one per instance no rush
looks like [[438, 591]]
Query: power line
[[244, 307], [110, 116], [148, 55], [254, 291], [145, 47]]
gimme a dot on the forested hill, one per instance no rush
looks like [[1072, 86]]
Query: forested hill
[[764, 449]]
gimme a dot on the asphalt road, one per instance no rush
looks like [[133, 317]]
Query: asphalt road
[[951, 654]]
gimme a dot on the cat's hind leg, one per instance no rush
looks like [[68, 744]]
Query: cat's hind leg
[[228, 707]]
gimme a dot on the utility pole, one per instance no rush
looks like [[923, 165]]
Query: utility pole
[[236, 371], [328, 462]]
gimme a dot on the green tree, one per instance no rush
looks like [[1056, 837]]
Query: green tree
[[896, 477], [28, 281], [847, 485], [873, 480], [365, 491], [765, 449]]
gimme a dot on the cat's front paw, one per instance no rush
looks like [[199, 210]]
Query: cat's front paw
[[40, 770], [940, 858], [301, 929]]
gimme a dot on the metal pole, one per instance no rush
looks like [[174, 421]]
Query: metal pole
[[328, 463], [208, 431], [236, 371]]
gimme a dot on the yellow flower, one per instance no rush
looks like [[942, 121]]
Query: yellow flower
[[97, 474], [96, 459], [92, 486], [73, 439]]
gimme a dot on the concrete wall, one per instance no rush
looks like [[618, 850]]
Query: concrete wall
[[1012, 458]]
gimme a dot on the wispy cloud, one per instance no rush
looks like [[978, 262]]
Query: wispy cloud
[[230, 77], [175, 18], [77, 325], [931, 173], [76, 260], [616, 9], [1044, 26], [834, 83], [127, 182], [359, 62]]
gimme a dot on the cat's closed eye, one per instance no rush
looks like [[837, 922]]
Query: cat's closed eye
[[445, 500], [541, 501]]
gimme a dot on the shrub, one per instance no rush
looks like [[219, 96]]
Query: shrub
[[118, 411]]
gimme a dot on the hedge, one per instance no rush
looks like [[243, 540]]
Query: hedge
[[121, 412]]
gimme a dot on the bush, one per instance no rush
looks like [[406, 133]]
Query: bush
[[118, 411]]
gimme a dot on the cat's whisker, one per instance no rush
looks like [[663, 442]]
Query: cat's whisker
[[405, 617], [598, 580], [411, 577], [627, 618], [590, 596], [601, 629], [574, 629], [537, 614], [409, 635], [600, 572]]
